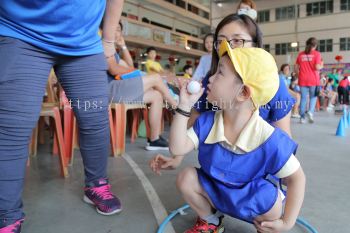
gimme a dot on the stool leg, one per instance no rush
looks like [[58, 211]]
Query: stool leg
[[134, 125], [146, 119], [120, 127], [74, 140], [61, 145], [112, 132], [55, 145], [33, 149], [68, 116]]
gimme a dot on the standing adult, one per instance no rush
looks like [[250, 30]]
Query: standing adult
[[205, 60], [307, 66], [36, 36]]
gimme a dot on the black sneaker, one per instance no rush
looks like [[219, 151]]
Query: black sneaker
[[160, 137], [159, 144]]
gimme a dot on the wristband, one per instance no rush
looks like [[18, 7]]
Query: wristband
[[183, 112], [108, 41]]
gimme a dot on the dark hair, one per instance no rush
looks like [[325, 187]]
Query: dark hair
[[186, 67], [284, 66], [149, 49], [205, 38], [310, 43], [330, 80], [246, 21]]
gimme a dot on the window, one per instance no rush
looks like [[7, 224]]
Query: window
[[319, 8], [325, 45], [284, 48], [263, 16], [345, 5], [344, 44], [287, 12], [266, 47]]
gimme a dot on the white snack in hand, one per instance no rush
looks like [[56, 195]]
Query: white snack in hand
[[193, 87]]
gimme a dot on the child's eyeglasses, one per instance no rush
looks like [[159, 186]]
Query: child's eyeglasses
[[234, 43]]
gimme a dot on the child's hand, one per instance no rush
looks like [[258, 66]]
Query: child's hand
[[161, 162], [187, 100], [277, 225]]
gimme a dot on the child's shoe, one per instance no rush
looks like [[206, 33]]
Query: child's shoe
[[202, 226], [13, 228], [99, 194]]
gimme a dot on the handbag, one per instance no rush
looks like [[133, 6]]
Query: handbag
[[317, 91]]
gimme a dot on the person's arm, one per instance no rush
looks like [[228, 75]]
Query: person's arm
[[296, 69], [319, 62], [284, 124], [295, 196], [199, 73], [124, 52], [117, 69], [179, 142], [297, 66], [110, 22]]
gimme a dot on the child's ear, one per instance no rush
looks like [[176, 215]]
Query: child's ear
[[245, 93]]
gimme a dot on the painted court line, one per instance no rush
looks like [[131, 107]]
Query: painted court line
[[157, 205]]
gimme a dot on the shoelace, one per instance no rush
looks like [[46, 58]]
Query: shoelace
[[103, 192]]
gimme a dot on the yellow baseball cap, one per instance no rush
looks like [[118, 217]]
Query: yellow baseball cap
[[257, 69]]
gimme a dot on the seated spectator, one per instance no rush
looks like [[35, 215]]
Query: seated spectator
[[284, 75], [335, 76], [149, 89], [188, 70], [328, 93], [343, 90]]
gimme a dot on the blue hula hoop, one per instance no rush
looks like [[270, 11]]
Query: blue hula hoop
[[162, 226]]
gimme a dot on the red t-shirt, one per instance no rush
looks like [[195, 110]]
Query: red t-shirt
[[308, 75], [344, 83]]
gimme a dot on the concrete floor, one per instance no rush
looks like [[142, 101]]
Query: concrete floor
[[54, 205]]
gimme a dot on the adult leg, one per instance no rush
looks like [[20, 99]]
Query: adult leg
[[156, 82], [155, 99], [84, 80], [24, 70], [313, 99], [304, 93]]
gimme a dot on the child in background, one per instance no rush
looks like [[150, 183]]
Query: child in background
[[328, 93], [294, 84], [188, 70], [152, 66], [237, 148]]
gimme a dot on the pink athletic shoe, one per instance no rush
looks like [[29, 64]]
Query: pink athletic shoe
[[13, 228], [99, 194]]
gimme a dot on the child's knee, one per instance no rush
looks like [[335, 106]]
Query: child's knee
[[274, 213], [185, 178]]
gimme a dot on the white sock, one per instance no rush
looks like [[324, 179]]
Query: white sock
[[212, 219]]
